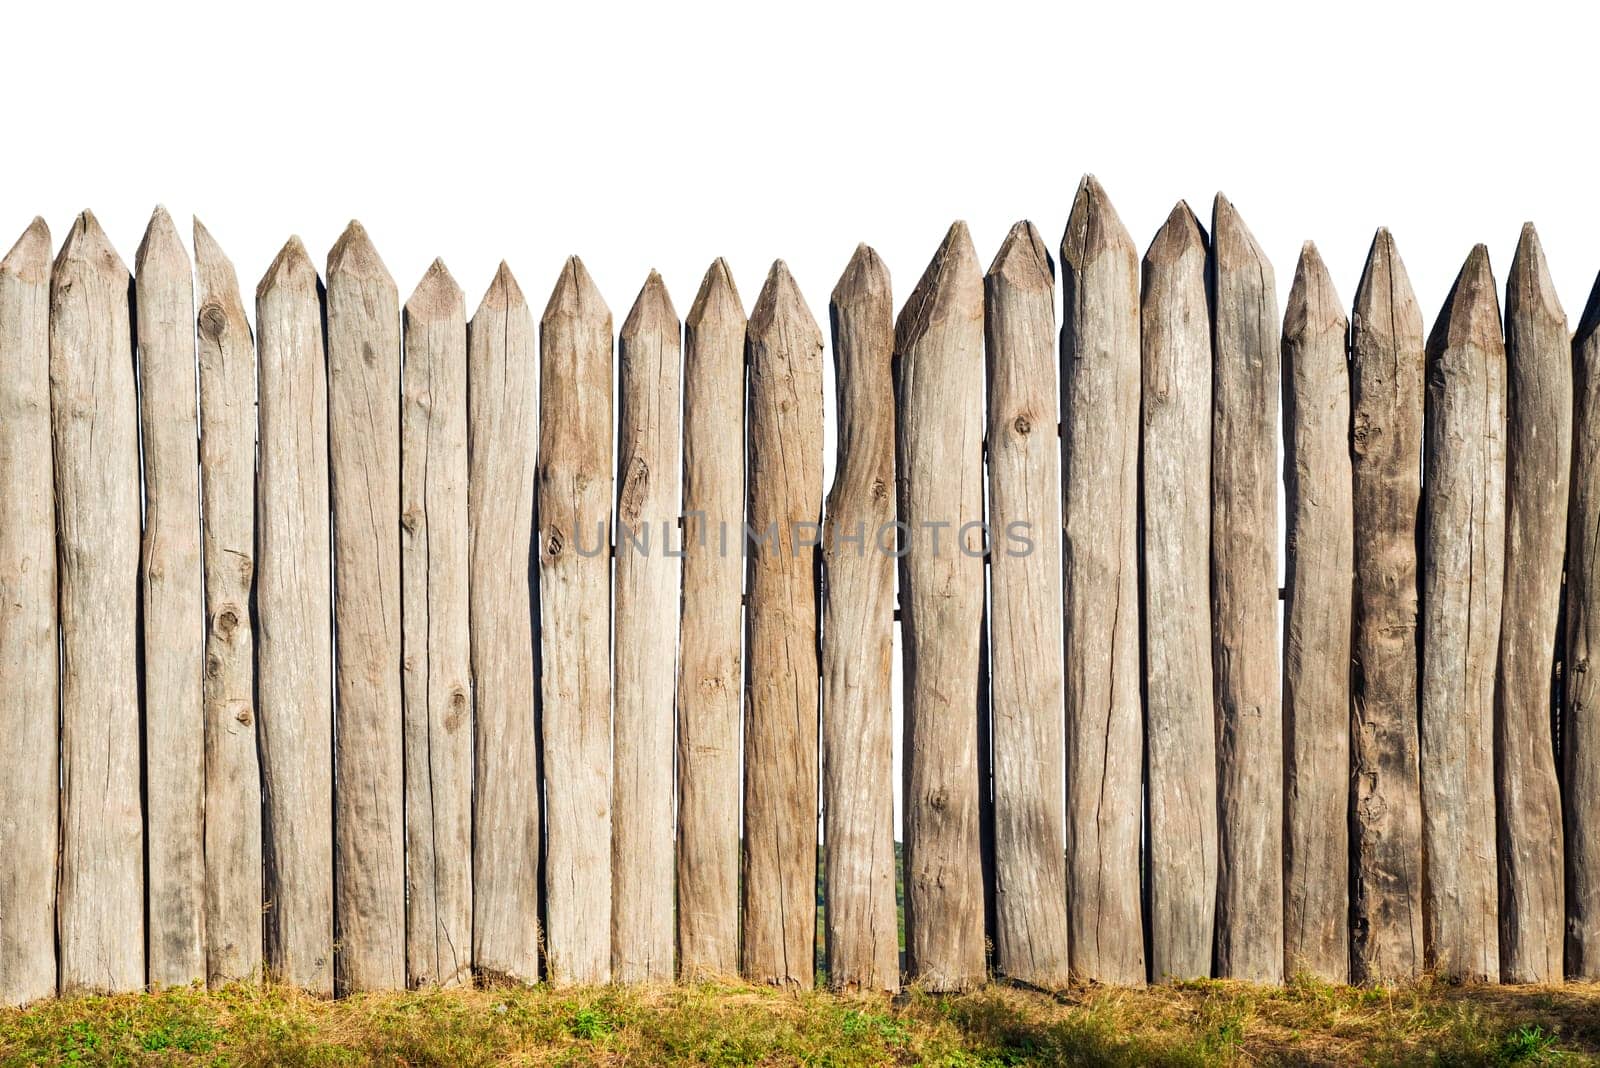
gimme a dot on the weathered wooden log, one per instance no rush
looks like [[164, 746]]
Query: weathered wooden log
[[227, 537], [1386, 388], [1316, 637], [649, 500], [30, 790], [710, 679], [1031, 929], [861, 926], [1538, 466], [1580, 727], [294, 608], [939, 465], [437, 657], [1244, 603], [364, 486], [1100, 470], [1180, 725], [1463, 570], [94, 414], [173, 607], [502, 436], [784, 357], [574, 510]]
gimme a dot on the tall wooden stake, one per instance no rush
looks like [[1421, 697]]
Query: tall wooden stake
[[1580, 725]]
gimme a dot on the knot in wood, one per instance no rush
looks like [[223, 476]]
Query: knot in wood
[[1022, 425], [213, 321]]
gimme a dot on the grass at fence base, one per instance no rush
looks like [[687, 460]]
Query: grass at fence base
[[1196, 1023]]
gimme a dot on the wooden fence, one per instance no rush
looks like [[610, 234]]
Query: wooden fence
[[358, 652]]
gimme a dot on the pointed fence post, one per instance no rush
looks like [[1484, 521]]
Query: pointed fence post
[[1463, 548], [574, 510], [294, 610], [502, 435], [1580, 726], [30, 790]]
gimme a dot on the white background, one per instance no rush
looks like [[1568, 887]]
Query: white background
[[665, 134]]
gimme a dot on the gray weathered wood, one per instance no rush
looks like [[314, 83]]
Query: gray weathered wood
[[227, 482], [574, 509], [1463, 551], [861, 926], [1316, 637], [502, 375], [1026, 688], [1580, 727], [939, 458], [294, 607], [1244, 603], [30, 791], [437, 658], [784, 357], [710, 679], [1100, 475], [95, 421], [1180, 731], [364, 487], [649, 499], [1538, 465], [1386, 388], [173, 606]]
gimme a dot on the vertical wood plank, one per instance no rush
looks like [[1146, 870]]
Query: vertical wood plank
[[574, 508], [173, 606], [939, 464], [1244, 609], [502, 436], [861, 925], [1386, 390], [710, 679], [30, 790], [1463, 573], [1031, 943], [1100, 367], [294, 611], [1538, 469], [364, 486], [784, 357], [1316, 638], [437, 659], [1180, 732], [649, 499], [94, 413], [1580, 728]]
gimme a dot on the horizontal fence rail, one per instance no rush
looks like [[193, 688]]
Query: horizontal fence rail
[[386, 645]]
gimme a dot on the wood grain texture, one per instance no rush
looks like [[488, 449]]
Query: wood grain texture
[[1386, 390], [649, 499], [364, 486], [939, 465], [1244, 609], [710, 666], [1538, 468], [1316, 637], [861, 923], [574, 510], [30, 790], [173, 606], [1100, 369], [294, 612], [94, 414], [1463, 552], [1580, 727], [502, 383], [1027, 681], [1180, 731], [437, 658], [784, 357]]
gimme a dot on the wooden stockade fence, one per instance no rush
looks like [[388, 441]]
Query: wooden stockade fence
[[366, 650]]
